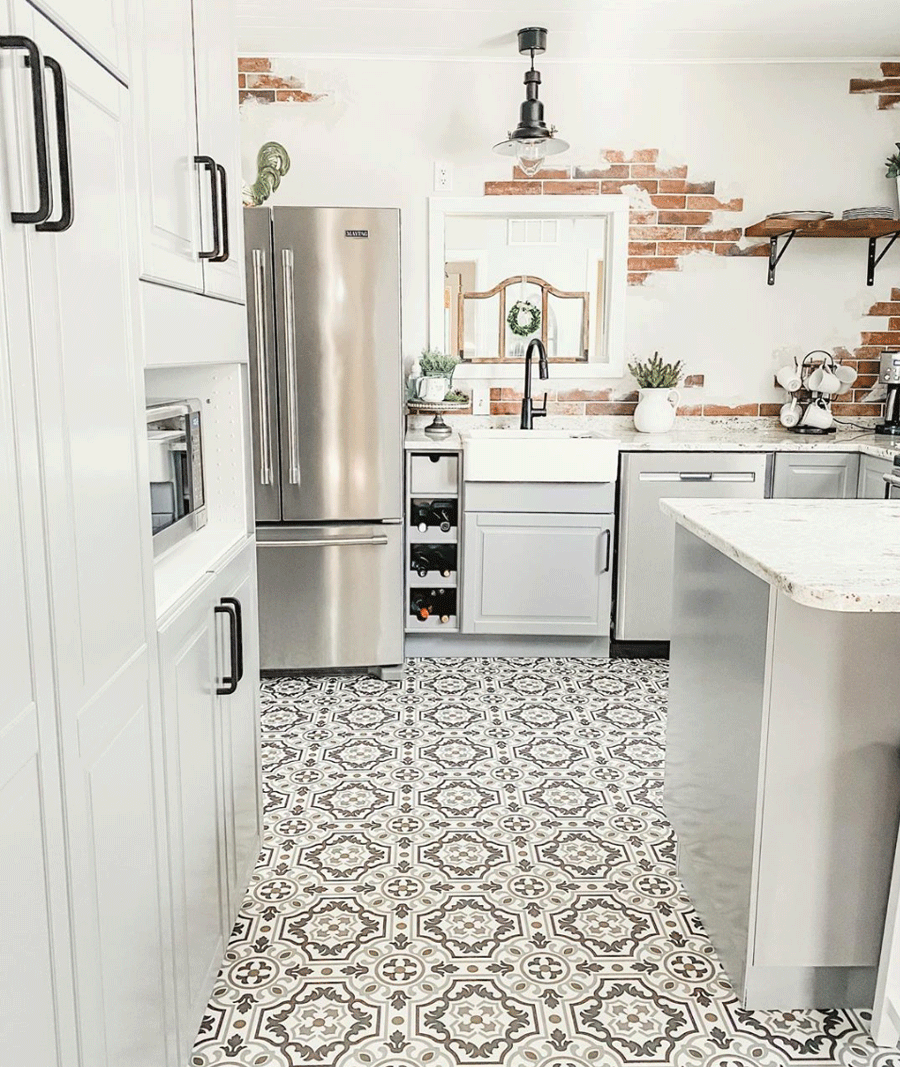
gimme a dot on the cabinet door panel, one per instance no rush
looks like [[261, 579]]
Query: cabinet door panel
[[815, 475], [165, 127], [192, 729], [871, 484], [537, 574], [99, 25], [218, 135]]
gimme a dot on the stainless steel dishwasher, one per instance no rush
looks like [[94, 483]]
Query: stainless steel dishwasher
[[643, 608]]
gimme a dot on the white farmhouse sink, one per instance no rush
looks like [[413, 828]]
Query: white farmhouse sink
[[538, 456]]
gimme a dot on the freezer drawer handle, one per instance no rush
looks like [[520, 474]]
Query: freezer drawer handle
[[229, 681], [63, 140], [41, 144], [262, 374], [287, 269], [338, 542]]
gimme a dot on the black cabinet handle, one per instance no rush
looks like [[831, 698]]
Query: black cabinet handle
[[35, 62], [607, 534], [235, 604], [63, 139], [209, 164], [226, 248], [229, 681]]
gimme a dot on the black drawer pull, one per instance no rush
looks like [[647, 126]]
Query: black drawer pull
[[229, 681], [35, 62]]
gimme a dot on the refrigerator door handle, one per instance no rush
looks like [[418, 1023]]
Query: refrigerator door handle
[[290, 347], [262, 373], [337, 542]]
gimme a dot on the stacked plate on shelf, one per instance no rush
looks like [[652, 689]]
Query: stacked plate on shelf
[[888, 213]]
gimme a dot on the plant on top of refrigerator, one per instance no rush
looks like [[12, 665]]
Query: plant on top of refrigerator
[[437, 364]]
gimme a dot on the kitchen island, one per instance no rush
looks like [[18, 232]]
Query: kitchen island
[[783, 748]]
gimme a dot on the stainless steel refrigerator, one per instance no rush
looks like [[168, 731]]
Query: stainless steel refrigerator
[[325, 372]]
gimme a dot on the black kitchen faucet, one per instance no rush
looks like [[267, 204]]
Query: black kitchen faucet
[[529, 411]]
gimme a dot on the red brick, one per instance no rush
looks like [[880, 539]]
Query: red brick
[[611, 408], [868, 366], [895, 295], [683, 248], [725, 409], [614, 170], [640, 218], [264, 96], [711, 203], [554, 408], [636, 278], [888, 103], [642, 248], [647, 263], [545, 174], [703, 188], [649, 170], [269, 81], [890, 70], [866, 381], [881, 339], [894, 324], [839, 408], [618, 185], [761, 249], [495, 394], [572, 188], [582, 396], [656, 233], [690, 409], [297, 96], [645, 155], [770, 409], [672, 185], [499, 408], [885, 308], [693, 381], [513, 188], [667, 200], [872, 85], [613, 155], [683, 218], [242, 81], [698, 233], [254, 63]]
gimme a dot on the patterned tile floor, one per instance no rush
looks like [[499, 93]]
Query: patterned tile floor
[[473, 869]]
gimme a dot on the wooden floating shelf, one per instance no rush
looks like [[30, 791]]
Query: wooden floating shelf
[[868, 229]]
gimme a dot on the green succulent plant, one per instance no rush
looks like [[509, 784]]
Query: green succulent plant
[[272, 163], [437, 364], [893, 163], [654, 374]]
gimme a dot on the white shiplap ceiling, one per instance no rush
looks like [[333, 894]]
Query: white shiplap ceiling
[[642, 30]]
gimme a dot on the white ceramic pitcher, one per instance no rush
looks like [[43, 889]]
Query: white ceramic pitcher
[[656, 410]]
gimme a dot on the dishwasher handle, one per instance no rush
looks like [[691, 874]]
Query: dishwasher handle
[[697, 476], [322, 542]]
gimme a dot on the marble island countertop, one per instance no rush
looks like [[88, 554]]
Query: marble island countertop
[[690, 434], [840, 555]]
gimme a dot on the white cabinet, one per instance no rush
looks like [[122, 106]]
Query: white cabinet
[[815, 475], [207, 647], [97, 25], [186, 143], [871, 484]]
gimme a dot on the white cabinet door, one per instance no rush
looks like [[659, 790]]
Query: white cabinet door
[[815, 475], [218, 135], [98, 25], [236, 586], [36, 1001], [537, 574], [81, 299], [871, 484], [165, 138], [193, 728]]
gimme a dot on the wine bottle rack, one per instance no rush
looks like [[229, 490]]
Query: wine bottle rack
[[433, 500]]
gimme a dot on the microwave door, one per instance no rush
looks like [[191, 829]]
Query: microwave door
[[263, 363], [338, 328]]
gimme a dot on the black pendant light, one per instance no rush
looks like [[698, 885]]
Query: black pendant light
[[532, 140]]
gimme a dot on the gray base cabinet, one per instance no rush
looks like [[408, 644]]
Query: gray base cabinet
[[815, 475], [531, 573], [871, 485]]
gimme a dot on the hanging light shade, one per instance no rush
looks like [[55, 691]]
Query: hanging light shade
[[532, 140]]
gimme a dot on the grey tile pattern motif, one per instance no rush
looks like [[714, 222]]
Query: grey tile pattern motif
[[473, 869]]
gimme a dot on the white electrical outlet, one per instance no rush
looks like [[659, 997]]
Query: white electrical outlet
[[443, 177]]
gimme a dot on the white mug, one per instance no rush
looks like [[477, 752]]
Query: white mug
[[788, 378], [847, 375], [789, 415], [823, 381], [431, 390], [817, 414]]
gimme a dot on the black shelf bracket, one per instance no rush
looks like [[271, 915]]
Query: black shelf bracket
[[775, 255], [875, 260]]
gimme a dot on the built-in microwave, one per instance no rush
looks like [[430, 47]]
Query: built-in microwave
[[177, 488]]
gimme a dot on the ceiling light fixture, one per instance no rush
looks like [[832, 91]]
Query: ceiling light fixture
[[532, 140]]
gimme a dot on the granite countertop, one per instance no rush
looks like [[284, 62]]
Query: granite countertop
[[841, 555], [689, 435]]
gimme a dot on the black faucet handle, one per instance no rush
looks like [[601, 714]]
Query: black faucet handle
[[537, 412]]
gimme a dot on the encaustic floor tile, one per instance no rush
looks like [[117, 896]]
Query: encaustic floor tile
[[473, 869]]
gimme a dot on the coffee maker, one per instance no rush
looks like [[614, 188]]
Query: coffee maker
[[890, 375]]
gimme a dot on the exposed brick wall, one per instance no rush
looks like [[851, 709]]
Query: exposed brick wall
[[670, 215], [887, 87], [259, 79]]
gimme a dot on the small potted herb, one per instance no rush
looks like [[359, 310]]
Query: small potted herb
[[656, 409], [893, 168], [437, 369]]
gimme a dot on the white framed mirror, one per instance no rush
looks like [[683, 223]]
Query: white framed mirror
[[504, 269]]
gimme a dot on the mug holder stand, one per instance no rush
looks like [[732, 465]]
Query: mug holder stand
[[814, 429]]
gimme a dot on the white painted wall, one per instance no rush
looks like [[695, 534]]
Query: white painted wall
[[782, 136]]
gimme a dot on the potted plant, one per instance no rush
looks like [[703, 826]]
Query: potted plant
[[893, 168], [656, 409], [437, 369]]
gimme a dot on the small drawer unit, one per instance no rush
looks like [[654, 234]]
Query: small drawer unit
[[434, 474], [432, 549]]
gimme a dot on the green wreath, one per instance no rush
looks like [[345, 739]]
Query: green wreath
[[534, 318]]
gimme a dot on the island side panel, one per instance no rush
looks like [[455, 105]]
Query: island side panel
[[714, 739], [832, 797]]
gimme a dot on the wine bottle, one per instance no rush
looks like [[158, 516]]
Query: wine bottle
[[445, 561], [422, 559], [421, 514], [444, 514], [422, 606]]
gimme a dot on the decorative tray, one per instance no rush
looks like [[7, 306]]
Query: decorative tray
[[437, 428]]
